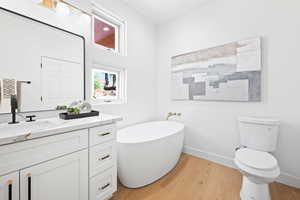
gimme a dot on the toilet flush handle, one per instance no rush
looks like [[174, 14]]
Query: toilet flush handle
[[240, 147]]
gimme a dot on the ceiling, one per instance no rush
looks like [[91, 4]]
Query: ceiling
[[160, 11]]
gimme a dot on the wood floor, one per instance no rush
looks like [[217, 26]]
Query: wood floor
[[198, 179]]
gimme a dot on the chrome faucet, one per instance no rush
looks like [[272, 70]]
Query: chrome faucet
[[170, 114]]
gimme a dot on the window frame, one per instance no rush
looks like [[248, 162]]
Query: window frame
[[119, 24], [121, 84], [117, 34]]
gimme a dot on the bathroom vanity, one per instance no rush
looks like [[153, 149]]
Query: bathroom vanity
[[56, 159], [50, 159]]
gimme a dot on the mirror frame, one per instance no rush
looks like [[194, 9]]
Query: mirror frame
[[60, 29]]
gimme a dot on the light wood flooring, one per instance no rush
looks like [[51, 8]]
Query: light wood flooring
[[199, 179]]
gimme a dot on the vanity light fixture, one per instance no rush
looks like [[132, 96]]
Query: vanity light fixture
[[51, 4], [61, 6]]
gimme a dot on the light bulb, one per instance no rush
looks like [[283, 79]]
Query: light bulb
[[106, 29]]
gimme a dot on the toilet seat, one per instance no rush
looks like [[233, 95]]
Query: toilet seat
[[256, 159], [257, 163]]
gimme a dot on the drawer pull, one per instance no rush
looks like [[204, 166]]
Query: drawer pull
[[10, 189], [105, 186], [103, 158], [104, 134], [29, 186]]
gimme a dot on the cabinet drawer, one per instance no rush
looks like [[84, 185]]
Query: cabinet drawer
[[21, 155], [102, 134], [104, 185], [102, 156]]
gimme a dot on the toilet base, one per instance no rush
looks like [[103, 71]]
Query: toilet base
[[254, 191]]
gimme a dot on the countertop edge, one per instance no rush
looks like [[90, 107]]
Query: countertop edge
[[74, 125]]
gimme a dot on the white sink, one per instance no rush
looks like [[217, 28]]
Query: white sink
[[10, 133], [25, 127]]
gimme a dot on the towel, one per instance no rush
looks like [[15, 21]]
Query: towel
[[9, 88]]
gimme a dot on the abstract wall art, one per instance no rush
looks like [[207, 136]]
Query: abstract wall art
[[230, 72]]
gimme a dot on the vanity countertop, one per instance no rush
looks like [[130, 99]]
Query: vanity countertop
[[46, 127]]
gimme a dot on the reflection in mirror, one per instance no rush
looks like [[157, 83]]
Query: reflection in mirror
[[40, 64]]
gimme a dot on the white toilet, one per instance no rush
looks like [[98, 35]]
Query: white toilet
[[258, 137]]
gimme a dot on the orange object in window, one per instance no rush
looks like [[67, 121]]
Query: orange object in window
[[104, 34]]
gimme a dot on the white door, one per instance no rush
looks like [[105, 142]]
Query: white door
[[9, 187], [64, 178], [61, 82]]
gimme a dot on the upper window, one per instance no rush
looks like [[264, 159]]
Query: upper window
[[109, 31], [106, 34]]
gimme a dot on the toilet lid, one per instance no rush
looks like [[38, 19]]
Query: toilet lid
[[256, 159]]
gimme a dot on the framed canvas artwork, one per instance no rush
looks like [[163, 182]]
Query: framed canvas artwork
[[230, 72]]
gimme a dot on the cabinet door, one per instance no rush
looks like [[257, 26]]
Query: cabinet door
[[9, 187], [64, 178]]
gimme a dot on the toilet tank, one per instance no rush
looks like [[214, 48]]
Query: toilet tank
[[259, 133]]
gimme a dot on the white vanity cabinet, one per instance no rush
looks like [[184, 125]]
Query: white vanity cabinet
[[60, 179], [76, 165]]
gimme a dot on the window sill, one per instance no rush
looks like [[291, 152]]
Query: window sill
[[101, 103], [108, 50]]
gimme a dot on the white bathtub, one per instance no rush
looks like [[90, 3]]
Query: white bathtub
[[148, 151]]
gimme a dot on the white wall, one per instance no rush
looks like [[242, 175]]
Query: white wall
[[211, 127], [139, 62]]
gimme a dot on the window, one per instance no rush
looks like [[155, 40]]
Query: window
[[105, 84], [109, 31], [108, 85], [106, 34]]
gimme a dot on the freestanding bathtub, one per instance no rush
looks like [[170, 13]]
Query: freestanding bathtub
[[148, 151]]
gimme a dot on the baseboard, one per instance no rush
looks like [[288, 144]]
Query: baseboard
[[284, 178], [222, 160], [289, 179]]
